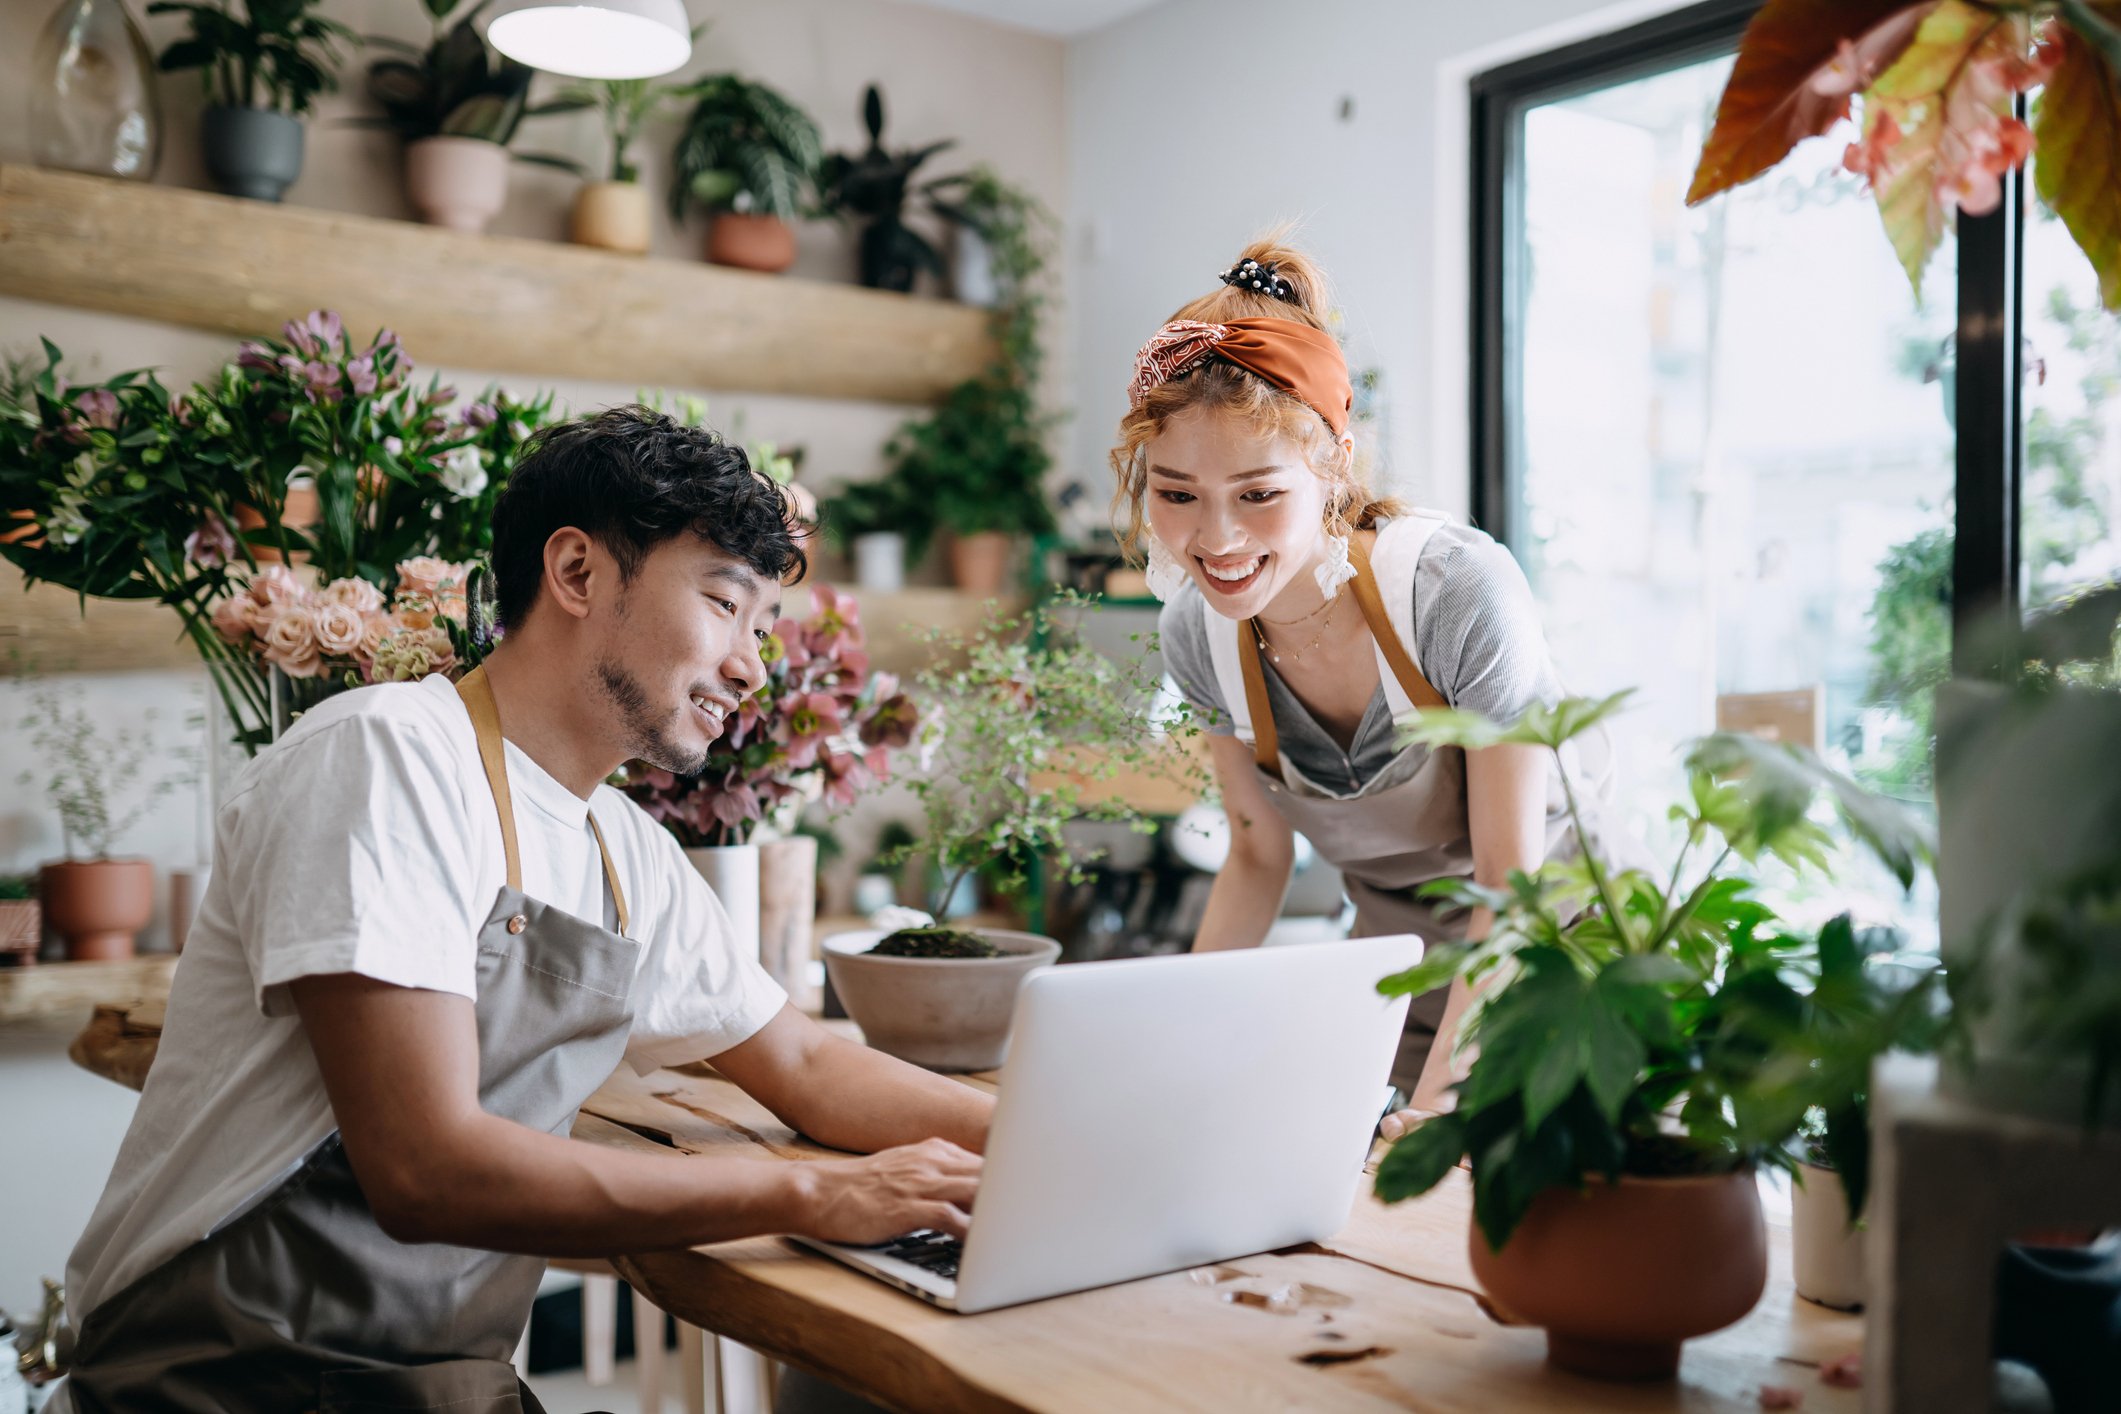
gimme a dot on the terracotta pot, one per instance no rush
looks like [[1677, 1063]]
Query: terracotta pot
[[751, 242], [21, 931], [787, 912], [945, 1013], [612, 216], [1621, 1273], [1826, 1249], [980, 563], [458, 182], [97, 905], [297, 512]]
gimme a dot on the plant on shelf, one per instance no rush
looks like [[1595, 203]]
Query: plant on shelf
[[1642, 1028], [822, 728], [101, 783], [1011, 238], [872, 188], [306, 448], [21, 920], [456, 105], [749, 157], [1936, 80], [614, 213], [263, 69]]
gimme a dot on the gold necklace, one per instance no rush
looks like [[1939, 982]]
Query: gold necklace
[[1295, 655]]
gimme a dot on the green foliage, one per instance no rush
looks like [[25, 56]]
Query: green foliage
[[15, 888], [1911, 653], [1020, 725], [1638, 1025], [276, 55], [865, 508], [459, 87], [872, 188], [744, 147], [89, 772]]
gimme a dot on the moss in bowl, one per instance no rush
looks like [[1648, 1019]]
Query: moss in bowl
[[934, 942]]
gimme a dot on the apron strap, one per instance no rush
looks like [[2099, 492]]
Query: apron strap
[[1266, 745], [477, 693], [1410, 677]]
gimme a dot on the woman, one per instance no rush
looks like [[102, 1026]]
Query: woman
[[1302, 613]]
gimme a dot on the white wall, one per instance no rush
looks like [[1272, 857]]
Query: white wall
[[1197, 124]]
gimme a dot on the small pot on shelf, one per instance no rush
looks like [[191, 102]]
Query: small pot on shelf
[[1826, 1249], [750, 241], [457, 182], [251, 152], [98, 905], [612, 216], [880, 561], [979, 563]]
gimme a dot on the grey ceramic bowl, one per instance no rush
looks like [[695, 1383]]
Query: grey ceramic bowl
[[945, 1013]]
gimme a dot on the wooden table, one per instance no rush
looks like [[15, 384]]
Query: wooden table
[[1385, 1316]]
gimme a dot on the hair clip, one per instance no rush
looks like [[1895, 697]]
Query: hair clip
[[1252, 275]]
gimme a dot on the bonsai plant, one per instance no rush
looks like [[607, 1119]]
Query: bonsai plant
[[95, 901], [21, 920], [456, 106], [872, 188], [263, 70], [1635, 1050], [1024, 724], [750, 157]]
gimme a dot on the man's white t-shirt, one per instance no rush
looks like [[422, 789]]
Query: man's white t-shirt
[[367, 841]]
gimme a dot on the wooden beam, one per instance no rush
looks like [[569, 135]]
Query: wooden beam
[[48, 627], [490, 303], [71, 991]]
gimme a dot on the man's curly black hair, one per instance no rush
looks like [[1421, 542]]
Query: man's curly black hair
[[632, 477]]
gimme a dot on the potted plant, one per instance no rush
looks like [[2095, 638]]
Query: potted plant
[[749, 157], [872, 188], [1000, 236], [866, 520], [614, 214], [822, 728], [1022, 722], [976, 468], [1632, 1051], [456, 106], [263, 71], [21, 921], [97, 902]]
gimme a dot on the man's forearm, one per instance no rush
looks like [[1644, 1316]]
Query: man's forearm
[[860, 1099]]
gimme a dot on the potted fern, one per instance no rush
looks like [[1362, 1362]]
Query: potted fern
[[1648, 1043], [263, 69], [749, 157], [456, 105]]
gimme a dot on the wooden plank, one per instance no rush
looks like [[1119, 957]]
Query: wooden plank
[[53, 632], [490, 303], [71, 991]]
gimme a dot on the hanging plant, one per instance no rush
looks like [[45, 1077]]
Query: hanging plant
[[1933, 85]]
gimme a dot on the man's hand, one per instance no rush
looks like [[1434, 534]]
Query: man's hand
[[889, 1194]]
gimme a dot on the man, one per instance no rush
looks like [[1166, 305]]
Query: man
[[431, 933]]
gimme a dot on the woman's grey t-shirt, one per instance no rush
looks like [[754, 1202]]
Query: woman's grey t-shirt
[[1476, 634]]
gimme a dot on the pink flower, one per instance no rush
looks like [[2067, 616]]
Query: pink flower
[[480, 416], [735, 806], [323, 381], [277, 585], [1868, 158], [339, 629], [892, 724], [100, 406], [254, 357], [1780, 1397], [356, 594], [289, 633], [232, 618], [1843, 1371], [361, 376], [213, 543], [425, 575], [315, 333]]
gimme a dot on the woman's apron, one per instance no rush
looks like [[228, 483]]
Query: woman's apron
[[1405, 826], [300, 1301]]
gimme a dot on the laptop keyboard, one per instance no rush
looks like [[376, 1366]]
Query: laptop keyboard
[[933, 1251]]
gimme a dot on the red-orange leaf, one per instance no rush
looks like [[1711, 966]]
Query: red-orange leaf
[[2077, 163], [1771, 104]]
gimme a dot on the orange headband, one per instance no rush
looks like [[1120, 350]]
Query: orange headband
[[1294, 357]]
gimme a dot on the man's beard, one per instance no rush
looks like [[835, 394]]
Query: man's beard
[[647, 738]]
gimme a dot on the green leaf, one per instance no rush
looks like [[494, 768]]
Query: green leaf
[[1418, 1162], [2077, 156], [1436, 969], [1541, 724]]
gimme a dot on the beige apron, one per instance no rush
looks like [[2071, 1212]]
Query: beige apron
[[300, 1301], [1406, 825]]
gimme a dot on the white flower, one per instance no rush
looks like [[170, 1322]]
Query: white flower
[[464, 472], [893, 917]]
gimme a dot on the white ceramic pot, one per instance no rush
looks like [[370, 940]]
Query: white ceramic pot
[[945, 1013], [1826, 1250], [732, 871], [972, 269], [880, 561], [458, 182]]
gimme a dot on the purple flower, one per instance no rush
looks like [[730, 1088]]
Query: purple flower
[[442, 396], [213, 543], [394, 445], [361, 376], [315, 333], [100, 406], [255, 357], [323, 381], [480, 416]]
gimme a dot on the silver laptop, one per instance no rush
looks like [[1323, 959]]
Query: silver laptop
[[1163, 1113]]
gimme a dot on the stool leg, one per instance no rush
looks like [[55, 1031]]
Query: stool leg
[[699, 1375], [744, 1387], [648, 1353], [600, 1326]]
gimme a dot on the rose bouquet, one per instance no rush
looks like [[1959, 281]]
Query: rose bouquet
[[821, 728]]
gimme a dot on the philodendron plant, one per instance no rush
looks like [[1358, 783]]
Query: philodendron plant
[[1651, 1025]]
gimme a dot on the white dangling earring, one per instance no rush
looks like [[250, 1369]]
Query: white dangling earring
[[1166, 575], [1334, 570]]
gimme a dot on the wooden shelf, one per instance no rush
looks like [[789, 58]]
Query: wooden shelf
[[490, 303], [70, 991]]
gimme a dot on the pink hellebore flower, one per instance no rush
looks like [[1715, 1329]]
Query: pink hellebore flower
[[737, 805]]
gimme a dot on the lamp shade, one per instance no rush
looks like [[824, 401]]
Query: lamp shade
[[594, 39]]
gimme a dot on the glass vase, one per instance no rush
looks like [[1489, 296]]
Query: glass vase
[[92, 101]]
